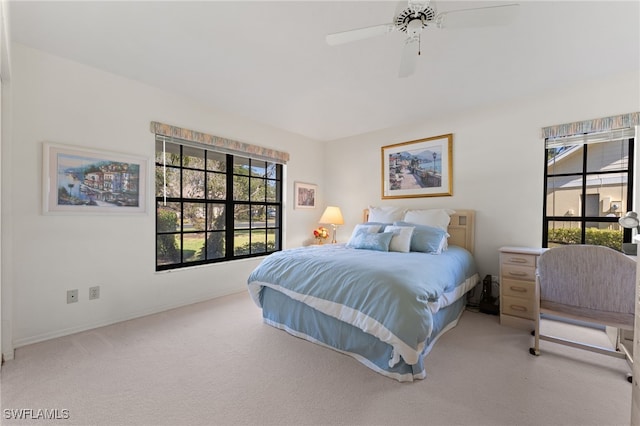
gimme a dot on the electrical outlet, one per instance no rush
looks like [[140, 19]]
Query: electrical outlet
[[94, 292], [72, 296]]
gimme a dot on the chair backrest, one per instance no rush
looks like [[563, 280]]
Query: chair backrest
[[588, 276]]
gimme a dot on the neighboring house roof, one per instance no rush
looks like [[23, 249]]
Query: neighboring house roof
[[561, 163]]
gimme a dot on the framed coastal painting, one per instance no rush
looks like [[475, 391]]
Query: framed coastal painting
[[305, 195], [84, 181], [420, 168]]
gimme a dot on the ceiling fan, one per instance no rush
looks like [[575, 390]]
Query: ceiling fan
[[416, 16]]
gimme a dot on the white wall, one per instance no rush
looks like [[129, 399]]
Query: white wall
[[498, 166], [498, 160], [57, 100]]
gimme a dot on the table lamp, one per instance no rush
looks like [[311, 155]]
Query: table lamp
[[630, 221], [332, 216]]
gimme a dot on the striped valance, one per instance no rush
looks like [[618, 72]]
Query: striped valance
[[597, 125], [227, 145]]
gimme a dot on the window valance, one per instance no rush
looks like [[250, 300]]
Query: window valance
[[588, 138], [223, 144], [598, 125]]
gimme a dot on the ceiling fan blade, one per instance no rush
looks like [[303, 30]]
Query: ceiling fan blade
[[409, 58], [418, 4], [358, 34], [400, 6], [477, 17]]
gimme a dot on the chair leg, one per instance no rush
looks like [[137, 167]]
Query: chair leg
[[622, 347]]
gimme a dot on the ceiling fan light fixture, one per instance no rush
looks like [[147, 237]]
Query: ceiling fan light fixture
[[414, 28]]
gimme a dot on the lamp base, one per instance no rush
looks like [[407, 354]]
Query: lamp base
[[630, 249]]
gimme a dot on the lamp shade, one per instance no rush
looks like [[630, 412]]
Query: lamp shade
[[630, 220], [332, 215]]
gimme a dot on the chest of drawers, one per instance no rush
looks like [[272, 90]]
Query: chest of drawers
[[517, 285]]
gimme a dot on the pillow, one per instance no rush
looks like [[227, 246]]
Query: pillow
[[371, 241], [401, 240], [427, 239], [386, 214], [439, 218], [381, 224], [365, 227]]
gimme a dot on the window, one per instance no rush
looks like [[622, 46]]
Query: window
[[588, 186], [213, 206]]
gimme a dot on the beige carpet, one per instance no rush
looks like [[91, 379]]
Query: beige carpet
[[216, 363]]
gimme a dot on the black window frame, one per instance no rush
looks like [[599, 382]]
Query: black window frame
[[584, 174], [270, 205]]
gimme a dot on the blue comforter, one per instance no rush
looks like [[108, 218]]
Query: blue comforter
[[390, 295]]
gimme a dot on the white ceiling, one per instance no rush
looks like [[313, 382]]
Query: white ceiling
[[268, 61]]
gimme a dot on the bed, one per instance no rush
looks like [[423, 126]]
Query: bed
[[384, 308]]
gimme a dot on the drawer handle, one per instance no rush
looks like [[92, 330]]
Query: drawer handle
[[517, 260], [518, 308], [518, 289], [518, 274]]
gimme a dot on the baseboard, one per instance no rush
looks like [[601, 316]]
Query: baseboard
[[85, 327]]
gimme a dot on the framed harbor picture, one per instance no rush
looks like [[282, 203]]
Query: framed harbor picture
[[305, 195], [420, 168], [79, 180]]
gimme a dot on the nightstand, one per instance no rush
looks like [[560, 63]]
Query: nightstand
[[517, 285]]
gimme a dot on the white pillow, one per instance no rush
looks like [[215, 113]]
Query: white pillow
[[401, 240], [386, 214], [438, 218], [372, 229]]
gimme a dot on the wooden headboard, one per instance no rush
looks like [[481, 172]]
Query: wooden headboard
[[461, 228]]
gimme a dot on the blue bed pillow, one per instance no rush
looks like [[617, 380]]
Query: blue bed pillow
[[381, 224], [368, 227], [370, 241], [426, 239]]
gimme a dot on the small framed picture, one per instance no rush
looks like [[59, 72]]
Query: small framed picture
[[305, 195], [83, 181]]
